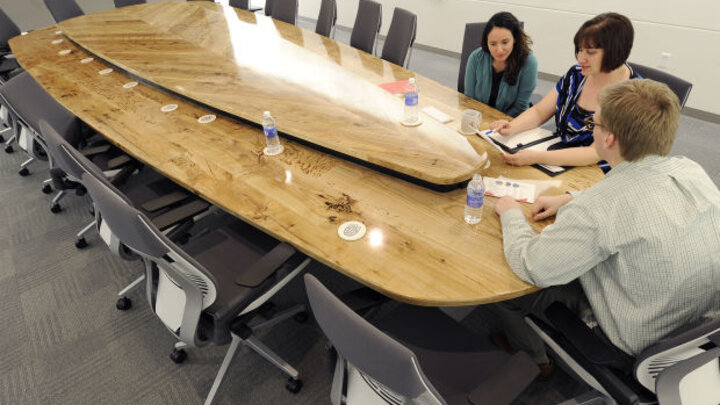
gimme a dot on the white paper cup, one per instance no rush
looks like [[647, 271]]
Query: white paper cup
[[470, 121]]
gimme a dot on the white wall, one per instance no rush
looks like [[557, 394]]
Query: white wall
[[689, 30]]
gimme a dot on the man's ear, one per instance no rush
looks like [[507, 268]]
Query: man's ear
[[610, 141]]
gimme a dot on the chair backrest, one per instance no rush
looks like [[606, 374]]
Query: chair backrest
[[8, 29], [680, 87], [367, 349], [125, 3], [285, 10], [472, 40], [241, 4], [367, 26], [57, 147], [326, 18], [400, 37], [62, 10], [269, 4], [182, 288], [669, 351], [31, 103], [695, 381]]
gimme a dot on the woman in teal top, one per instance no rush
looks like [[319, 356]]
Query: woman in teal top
[[502, 73]]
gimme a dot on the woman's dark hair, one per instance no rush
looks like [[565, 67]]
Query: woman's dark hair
[[611, 32], [521, 47]]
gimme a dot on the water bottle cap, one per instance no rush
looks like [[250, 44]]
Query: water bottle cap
[[477, 177], [266, 113]]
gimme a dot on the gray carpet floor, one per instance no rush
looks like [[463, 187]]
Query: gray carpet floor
[[63, 342]]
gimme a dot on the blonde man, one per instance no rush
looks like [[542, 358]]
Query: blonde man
[[643, 243]]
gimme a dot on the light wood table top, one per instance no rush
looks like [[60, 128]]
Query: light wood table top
[[418, 249], [318, 90]]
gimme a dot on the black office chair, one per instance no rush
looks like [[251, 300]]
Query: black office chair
[[125, 3], [241, 4], [615, 376], [27, 103], [62, 10], [206, 291], [680, 87], [9, 67], [367, 26], [472, 40], [170, 207], [413, 355], [285, 10], [327, 17], [400, 37], [269, 7]]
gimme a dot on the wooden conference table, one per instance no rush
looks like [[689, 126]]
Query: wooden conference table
[[346, 156]]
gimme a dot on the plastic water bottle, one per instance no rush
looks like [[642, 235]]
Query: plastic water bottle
[[271, 136], [410, 114], [475, 197]]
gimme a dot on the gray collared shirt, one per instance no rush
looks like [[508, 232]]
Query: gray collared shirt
[[644, 243]]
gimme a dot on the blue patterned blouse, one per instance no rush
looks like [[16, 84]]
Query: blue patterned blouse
[[569, 116]]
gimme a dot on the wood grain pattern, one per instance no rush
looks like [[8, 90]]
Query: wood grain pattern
[[318, 90], [418, 248]]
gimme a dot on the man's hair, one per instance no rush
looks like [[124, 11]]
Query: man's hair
[[643, 114], [611, 32]]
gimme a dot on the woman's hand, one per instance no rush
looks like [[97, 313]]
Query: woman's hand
[[502, 127], [521, 158]]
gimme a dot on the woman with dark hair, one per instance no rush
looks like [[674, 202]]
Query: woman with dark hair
[[502, 73], [602, 47]]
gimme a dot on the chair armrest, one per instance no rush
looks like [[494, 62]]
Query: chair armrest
[[506, 382], [363, 299], [164, 201], [584, 339], [95, 150], [265, 266], [179, 214]]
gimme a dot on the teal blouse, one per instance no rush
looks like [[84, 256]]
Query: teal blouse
[[512, 100]]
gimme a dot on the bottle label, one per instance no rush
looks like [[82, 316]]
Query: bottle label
[[270, 132], [475, 200], [411, 99]]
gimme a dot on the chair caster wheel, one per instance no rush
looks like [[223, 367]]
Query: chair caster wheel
[[81, 243], [294, 385], [123, 303], [92, 211], [55, 208], [9, 149], [178, 356], [47, 189], [24, 171], [2, 138], [301, 317], [80, 191]]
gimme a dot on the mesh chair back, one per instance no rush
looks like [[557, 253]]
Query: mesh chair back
[[62, 10], [241, 4], [285, 10], [269, 4], [472, 40], [326, 18], [368, 349], [31, 103], [125, 3], [183, 286], [367, 25], [651, 362], [8, 29], [400, 37], [695, 381], [680, 87]]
